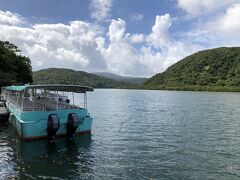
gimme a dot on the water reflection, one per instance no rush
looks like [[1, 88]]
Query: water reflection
[[7, 161], [65, 158]]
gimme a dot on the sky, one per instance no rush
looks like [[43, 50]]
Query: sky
[[126, 37]]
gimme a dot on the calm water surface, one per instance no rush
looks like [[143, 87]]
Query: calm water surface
[[138, 135]]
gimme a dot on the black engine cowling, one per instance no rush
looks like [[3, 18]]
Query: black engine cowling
[[72, 124], [52, 126]]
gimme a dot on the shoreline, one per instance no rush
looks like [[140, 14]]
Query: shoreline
[[199, 89]]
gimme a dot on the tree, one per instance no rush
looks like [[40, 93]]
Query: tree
[[14, 68]]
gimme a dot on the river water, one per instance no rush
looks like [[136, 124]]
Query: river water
[[137, 135]]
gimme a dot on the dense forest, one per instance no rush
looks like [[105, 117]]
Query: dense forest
[[68, 76], [212, 70], [14, 68]]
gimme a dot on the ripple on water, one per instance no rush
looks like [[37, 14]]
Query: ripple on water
[[138, 135]]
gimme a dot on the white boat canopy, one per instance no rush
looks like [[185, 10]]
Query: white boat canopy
[[52, 87]]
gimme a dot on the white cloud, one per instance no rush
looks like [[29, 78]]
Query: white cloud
[[117, 30], [158, 61], [18, 34], [120, 56], [9, 18], [221, 30], [159, 36], [100, 9], [123, 58], [137, 38], [136, 17], [57, 45], [79, 45], [230, 22], [83, 46], [200, 7]]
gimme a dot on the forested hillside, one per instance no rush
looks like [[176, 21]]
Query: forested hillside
[[214, 70], [14, 68], [68, 76]]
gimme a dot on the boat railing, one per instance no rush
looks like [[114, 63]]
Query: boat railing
[[57, 105], [28, 104]]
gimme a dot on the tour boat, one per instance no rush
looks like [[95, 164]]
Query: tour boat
[[47, 111]]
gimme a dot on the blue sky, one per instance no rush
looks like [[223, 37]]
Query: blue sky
[[136, 37], [62, 11]]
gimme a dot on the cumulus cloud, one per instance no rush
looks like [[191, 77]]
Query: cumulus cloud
[[196, 7], [9, 18], [230, 22], [159, 36], [82, 46], [100, 9], [57, 45], [79, 45], [123, 58], [137, 38], [221, 30], [117, 30], [120, 55]]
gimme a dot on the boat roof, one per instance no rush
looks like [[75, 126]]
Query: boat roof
[[52, 87]]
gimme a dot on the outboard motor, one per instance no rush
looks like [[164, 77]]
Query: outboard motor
[[52, 126], [72, 124]]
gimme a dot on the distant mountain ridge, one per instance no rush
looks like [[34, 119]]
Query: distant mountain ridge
[[134, 80], [68, 76], [212, 70]]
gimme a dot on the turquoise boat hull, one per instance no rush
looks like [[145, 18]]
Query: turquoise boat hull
[[33, 124]]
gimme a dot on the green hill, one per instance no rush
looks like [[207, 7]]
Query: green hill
[[67, 76], [212, 70]]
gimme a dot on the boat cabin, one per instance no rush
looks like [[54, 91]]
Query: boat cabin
[[45, 97]]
